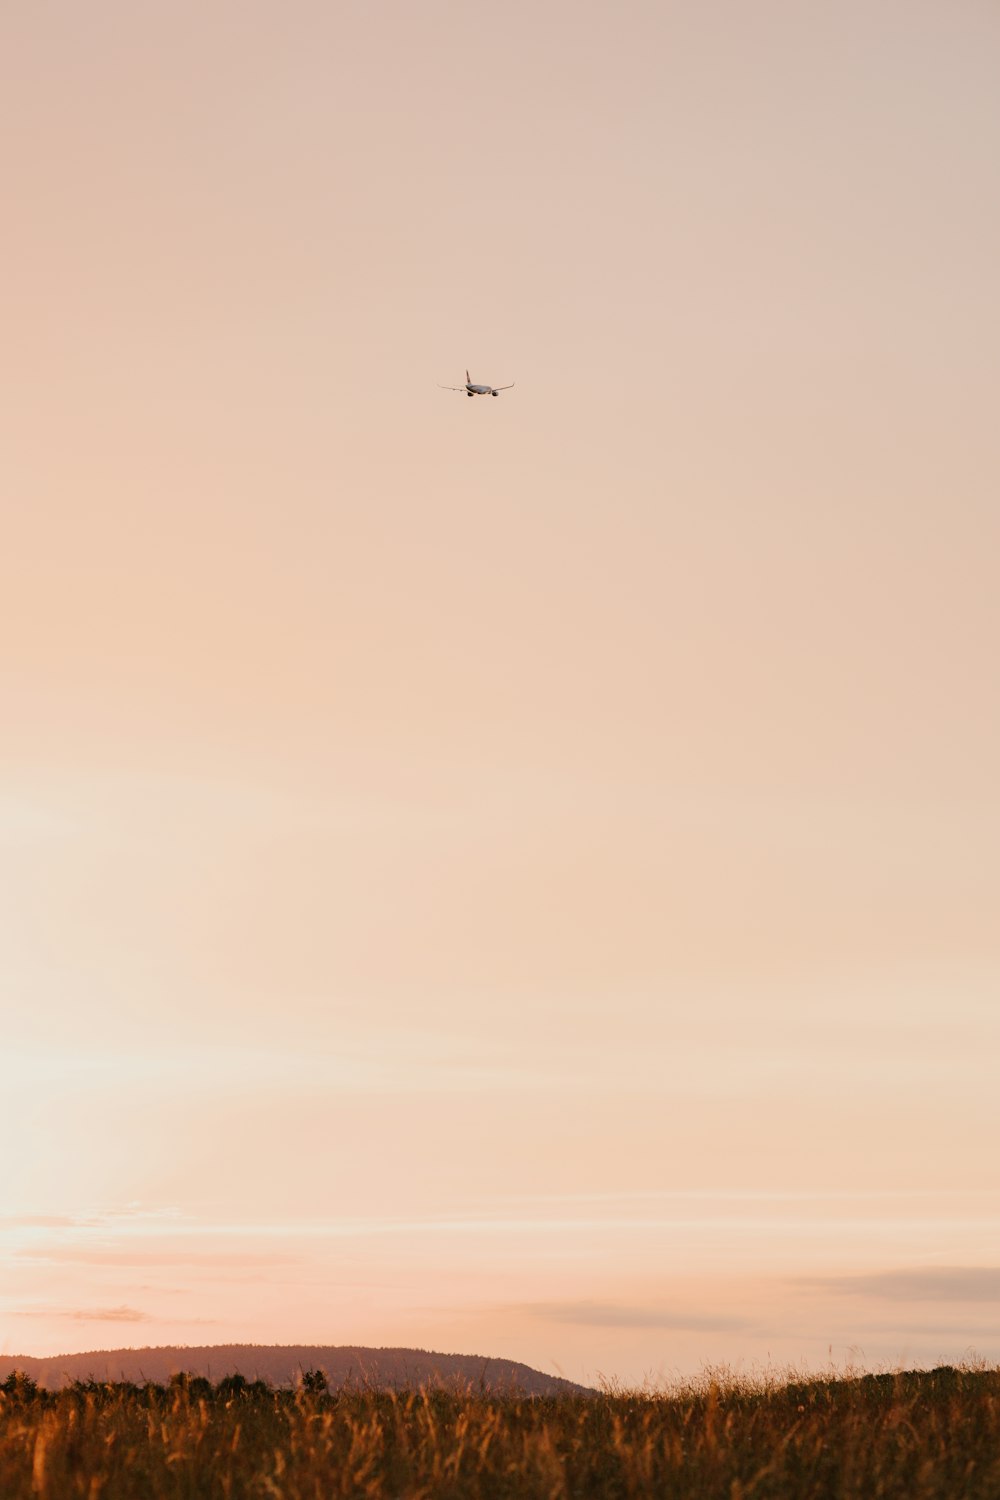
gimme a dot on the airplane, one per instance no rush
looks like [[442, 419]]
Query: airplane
[[478, 390]]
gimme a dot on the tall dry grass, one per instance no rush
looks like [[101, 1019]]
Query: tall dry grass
[[933, 1434]]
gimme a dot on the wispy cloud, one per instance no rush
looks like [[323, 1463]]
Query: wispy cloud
[[37, 1221], [113, 1217], [615, 1315], [926, 1284], [151, 1255], [86, 1314]]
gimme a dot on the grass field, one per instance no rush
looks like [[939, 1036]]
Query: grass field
[[915, 1434]]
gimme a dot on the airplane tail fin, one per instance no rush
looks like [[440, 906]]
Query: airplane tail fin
[[467, 379]]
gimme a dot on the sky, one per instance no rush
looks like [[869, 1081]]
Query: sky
[[513, 877]]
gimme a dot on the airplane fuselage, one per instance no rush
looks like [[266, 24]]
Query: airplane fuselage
[[471, 389]]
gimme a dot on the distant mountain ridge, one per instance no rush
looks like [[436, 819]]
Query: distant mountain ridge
[[284, 1364]]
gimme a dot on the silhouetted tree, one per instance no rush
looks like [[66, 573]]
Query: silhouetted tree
[[231, 1386], [20, 1386]]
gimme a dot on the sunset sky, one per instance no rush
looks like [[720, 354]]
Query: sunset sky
[[515, 877]]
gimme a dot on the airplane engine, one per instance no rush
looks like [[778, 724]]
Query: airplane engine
[[494, 393]]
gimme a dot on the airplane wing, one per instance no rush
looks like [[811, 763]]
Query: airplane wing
[[505, 387], [451, 387]]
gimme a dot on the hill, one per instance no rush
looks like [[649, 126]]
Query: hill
[[283, 1364]]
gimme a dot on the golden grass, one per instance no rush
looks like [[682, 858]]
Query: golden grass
[[930, 1434]]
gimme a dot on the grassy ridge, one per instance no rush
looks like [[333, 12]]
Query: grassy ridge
[[917, 1434], [282, 1364]]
